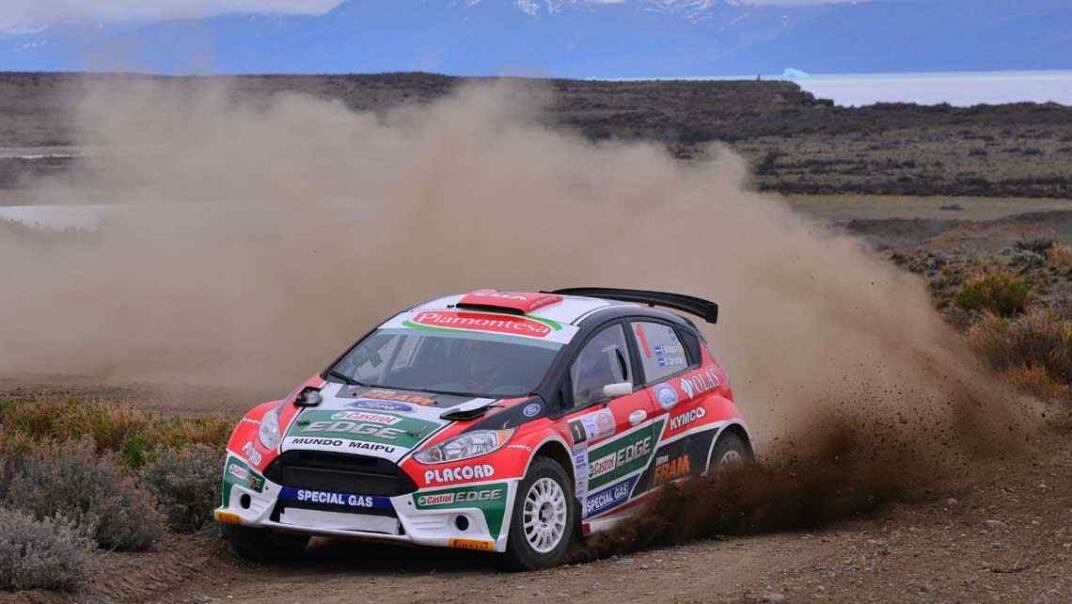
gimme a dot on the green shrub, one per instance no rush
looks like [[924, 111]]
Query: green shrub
[[186, 484], [72, 480], [1000, 292], [39, 554]]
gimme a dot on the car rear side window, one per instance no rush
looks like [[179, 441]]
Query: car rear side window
[[661, 351]]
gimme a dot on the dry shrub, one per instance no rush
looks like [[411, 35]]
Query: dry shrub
[[998, 291], [1037, 380], [186, 484], [1060, 255], [39, 554], [73, 481], [1038, 339], [112, 427]]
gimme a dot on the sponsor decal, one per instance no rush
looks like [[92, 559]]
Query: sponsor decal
[[592, 426], [669, 350], [666, 395], [579, 454], [400, 397], [474, 544], [371, 447], [673, 469], [670, 361], [630, 453], [376, 405], [486, 322], [237, 472], [316, 442], [489, 499], [608, 498], [365, 416], [473, 472], [332, 498], [602, 465], [531, 410], [698, 383], [683, 419], [252, 454], [525, 302], [638, 450], [434, 500], [403, 432], [353, 427], [461, 497]]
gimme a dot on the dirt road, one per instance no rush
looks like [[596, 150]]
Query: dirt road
[[1007, 539]]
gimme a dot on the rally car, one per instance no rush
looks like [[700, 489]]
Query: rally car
[[508, 422]]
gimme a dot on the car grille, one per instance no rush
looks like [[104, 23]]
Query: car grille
[[339, 472]]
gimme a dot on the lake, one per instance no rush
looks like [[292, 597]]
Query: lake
[[961, 89]]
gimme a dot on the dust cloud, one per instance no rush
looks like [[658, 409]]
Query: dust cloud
[[253, 240]]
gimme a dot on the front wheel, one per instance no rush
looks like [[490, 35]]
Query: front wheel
[[544, 518]]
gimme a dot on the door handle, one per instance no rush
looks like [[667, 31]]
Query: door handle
[[637, 416]]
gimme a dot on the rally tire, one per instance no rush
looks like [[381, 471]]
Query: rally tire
[[731, 448], [544, 520], [263, 545]]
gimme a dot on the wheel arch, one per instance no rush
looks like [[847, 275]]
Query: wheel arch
[[736, 428], [557, 452]]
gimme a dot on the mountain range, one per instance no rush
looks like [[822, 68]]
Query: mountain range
[[571, 38]]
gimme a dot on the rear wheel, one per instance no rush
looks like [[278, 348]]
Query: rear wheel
[[262, 545], [730, 449], [544, 518]]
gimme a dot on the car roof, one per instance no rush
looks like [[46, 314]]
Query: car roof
[[570, 310]]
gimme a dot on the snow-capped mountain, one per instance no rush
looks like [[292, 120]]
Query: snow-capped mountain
[[573, 38]]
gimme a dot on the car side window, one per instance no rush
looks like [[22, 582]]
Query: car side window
[[661, 351], [604, 360]]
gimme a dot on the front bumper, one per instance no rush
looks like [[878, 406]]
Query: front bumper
[[470, 516]]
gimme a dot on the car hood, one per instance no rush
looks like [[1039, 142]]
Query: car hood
[[376, 422]]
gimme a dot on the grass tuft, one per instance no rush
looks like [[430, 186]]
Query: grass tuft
[[1000, 292], [132, 433]]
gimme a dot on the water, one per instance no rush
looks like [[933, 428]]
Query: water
[[960, 88]]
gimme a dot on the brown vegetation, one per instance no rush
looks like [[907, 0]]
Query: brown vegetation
[[798, 143]]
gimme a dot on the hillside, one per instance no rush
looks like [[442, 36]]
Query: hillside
[[797, 143], [577, 38]]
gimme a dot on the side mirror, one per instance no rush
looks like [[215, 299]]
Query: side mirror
[[619, 389]]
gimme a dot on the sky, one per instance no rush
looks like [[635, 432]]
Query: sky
[[28, 14]]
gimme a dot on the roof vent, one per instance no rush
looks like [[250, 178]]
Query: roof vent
[[509, 302]]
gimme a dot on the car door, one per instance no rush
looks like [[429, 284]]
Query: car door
[[612, 436], [665, 363]]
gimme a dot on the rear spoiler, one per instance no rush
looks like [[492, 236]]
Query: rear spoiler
[[705, 309]]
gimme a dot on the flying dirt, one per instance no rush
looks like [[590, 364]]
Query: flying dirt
[[253, 236]]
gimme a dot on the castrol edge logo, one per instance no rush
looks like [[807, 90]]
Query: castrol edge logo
[[476, 321]]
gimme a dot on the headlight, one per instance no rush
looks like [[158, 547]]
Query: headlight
[[269, 433], [470, 444]]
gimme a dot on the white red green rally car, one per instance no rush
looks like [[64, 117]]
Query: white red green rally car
[[508, 422]]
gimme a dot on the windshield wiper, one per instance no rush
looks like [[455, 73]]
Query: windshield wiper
[[349, 381]]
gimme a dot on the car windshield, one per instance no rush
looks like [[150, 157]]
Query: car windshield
[[467, 363]]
